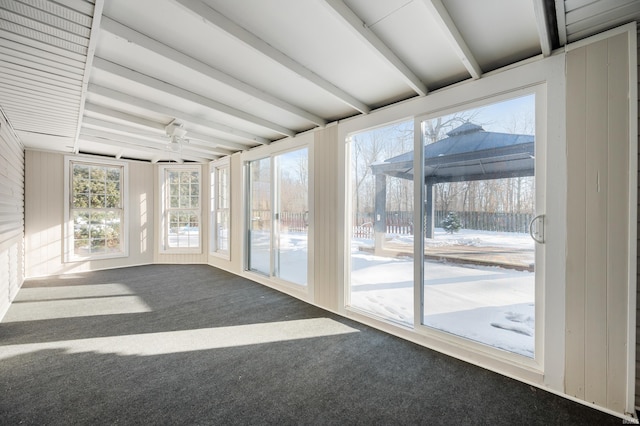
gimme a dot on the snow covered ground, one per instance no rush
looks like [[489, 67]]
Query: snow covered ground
[[490, 305], [290, 261], [470, 237]]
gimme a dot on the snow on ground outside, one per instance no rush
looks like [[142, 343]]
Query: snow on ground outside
[[470, 237], [291, 264], [491, 305]]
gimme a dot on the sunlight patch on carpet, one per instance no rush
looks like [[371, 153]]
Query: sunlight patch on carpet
[[45, 303], [169, 342]]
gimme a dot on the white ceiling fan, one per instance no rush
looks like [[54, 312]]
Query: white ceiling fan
[[176, 133]]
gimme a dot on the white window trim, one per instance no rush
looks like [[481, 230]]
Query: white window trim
[[162, 222], [214, 166], [69, 255]]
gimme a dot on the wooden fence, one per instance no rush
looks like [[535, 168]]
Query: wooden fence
[[293, 222], [485, 221], [401, 223]]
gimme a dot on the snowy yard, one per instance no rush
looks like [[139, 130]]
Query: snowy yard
[[490, 305]]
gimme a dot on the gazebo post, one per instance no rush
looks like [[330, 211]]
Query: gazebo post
[[428, 211], [380, 213]]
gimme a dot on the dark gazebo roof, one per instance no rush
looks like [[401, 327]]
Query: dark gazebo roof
[[468, 153]]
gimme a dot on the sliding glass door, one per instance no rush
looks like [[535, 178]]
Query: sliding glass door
[[468, 179], [278, 224]]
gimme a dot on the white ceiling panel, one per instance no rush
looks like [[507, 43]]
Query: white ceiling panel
[[411, 32], [498, 32], [178, 74], [336, 56], [225, 54]]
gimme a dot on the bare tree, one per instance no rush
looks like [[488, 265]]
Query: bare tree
[[375, 146]]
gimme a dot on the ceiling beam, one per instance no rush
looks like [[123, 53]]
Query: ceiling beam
[[91, 50], [172, 112], [123, 141], [543, 27], [154, 125], [132, 36], [215, 142], [157, 137], [124, 129], [360, 29], [122, 116], [160, 153], [154, 83], [450, 31], [218, 20]]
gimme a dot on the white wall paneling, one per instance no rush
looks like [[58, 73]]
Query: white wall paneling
[[11, 214], [601, 221], [327, 217], [637, 382]]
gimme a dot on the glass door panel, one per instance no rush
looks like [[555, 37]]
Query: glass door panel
[[291, 224], [382, 235], [479, 280], [259, 254]]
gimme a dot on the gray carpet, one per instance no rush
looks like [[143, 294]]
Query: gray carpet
[[169, 344]]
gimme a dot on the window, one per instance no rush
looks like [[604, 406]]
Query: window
[[181, 208], [96, 209], [220, 207]]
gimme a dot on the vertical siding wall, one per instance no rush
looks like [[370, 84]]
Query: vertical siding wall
[[327, 218], [638, 258], [44, 218], [11, 215], [597, 225]]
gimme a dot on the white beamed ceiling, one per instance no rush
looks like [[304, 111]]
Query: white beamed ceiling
[[107, 76]]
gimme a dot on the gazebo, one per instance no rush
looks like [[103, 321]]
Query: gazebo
[[468, 153]]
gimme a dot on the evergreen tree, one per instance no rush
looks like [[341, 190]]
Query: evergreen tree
[[451, 223]]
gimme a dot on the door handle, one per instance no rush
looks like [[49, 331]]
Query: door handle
[[538, 234]]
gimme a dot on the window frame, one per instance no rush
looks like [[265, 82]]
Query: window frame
[[69, 252], [165, 209], [214, 168], [305, 292]]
